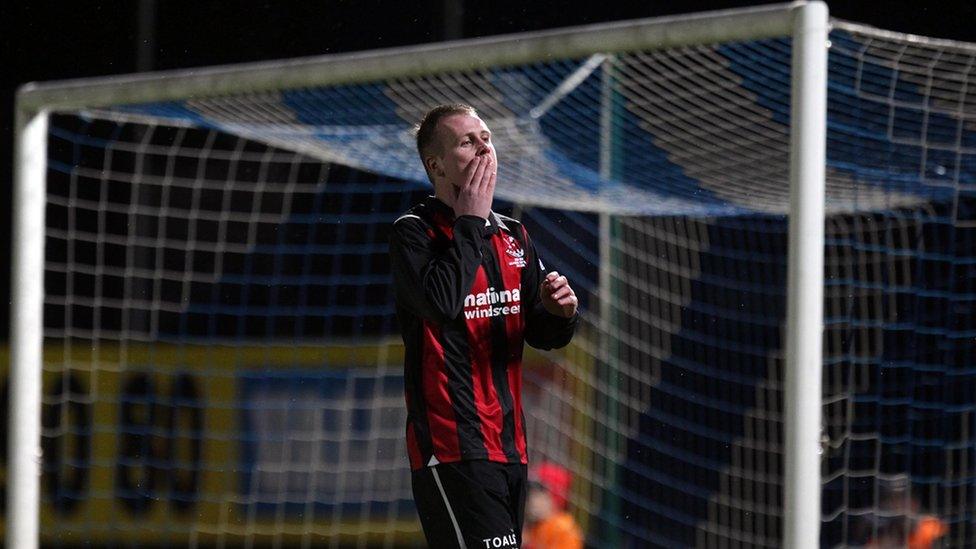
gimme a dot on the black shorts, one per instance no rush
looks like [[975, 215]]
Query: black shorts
[[471, 504]]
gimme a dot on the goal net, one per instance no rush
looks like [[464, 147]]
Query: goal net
[[221, 359]]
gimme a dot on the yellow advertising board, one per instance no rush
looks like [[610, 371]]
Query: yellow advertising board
[[183, 444], [156, 443]]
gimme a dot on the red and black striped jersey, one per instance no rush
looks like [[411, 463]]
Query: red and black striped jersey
[[467, 296]]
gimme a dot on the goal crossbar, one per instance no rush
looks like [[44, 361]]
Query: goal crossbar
[[403, 62]]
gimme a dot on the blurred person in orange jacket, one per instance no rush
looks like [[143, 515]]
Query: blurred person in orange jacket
[[899, 522], [548, 524]]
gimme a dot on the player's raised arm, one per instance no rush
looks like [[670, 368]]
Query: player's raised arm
[[552, 313], [429, 279]]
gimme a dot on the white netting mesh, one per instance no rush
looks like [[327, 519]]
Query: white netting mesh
[[222, 365]]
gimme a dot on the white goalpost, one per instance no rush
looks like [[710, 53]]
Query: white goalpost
[[203, 341], [27, 331], [804, 310]]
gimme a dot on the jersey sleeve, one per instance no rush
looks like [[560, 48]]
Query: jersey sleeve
[[432, 282], [543, 330]]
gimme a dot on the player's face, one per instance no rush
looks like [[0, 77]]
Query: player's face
[[463, 137]]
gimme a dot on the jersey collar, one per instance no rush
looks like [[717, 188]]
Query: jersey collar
[[446, 213]]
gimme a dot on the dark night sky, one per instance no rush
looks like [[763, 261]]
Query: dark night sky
[[44, 40]]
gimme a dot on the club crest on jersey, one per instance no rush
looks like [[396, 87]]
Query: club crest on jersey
[[513, 250]]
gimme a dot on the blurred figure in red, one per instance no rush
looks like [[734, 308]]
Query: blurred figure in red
[[899, 524], [548, 525]]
